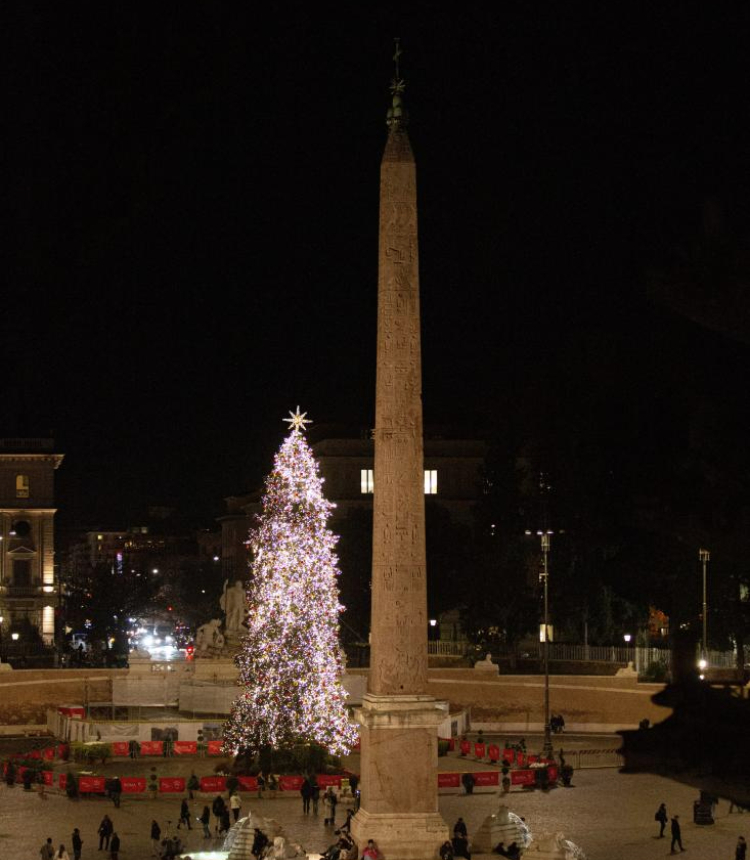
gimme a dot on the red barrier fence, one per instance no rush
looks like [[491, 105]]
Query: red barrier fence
[[479, 750], [247, 783], [185, 747], [522, 777], [121, 749], [326, 779], [171, 784], [291, 783], [449, 780], [214, 784], [133, 784], [152, 747], [214, 747], [91, 784], [491, 777]]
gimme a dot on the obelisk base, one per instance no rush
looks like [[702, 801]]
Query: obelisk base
[[399, 808]]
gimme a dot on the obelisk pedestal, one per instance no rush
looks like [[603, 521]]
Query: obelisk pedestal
[[398, 718]]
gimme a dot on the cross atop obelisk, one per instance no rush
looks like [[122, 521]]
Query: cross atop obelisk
[[399, 720]]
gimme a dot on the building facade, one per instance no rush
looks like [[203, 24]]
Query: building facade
[[28, 591]]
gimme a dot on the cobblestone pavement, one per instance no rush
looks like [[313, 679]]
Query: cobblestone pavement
[[609, 814]]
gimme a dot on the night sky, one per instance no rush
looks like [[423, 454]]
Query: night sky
[[191, 244]]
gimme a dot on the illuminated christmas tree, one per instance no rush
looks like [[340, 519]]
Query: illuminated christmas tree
[[290, 663]]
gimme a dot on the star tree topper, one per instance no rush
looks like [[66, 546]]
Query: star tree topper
[[297, 423]]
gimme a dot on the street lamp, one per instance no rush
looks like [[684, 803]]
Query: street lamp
[[704, 556], [545, 536]]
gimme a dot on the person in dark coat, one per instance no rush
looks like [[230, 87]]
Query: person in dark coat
[[115, 791], [205, 820], [105, 832], [184, 816], [114, 847], [306, 792], [676, 834], [661, 817], [77, 843], [459, 828], [218, 807], [155, 836], [740, 852], [225, 822], [259, 843]]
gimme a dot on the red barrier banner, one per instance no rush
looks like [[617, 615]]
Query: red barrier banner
[[479, 750], [509, 756], [465, 747], [326, 779], [171, 784], [490, 777], [20, 772], [213, 784], [62, 750], [552, 773], [91, 784], [62, 780], [291, 783], [133, 784], [48, 754], [185, 747], [493, 751], [522, 777], [48, 777], [449, 780], [248, 783], [152, 747], [532, 759], [76, 712], [120, 748], [214, 747], [520, 759], [451, 744], [34, 754]]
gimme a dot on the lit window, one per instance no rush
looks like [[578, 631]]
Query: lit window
[[22, 486], [366, 481], [430, 482]]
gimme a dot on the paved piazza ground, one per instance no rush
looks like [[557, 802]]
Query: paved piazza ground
[[609, 814]]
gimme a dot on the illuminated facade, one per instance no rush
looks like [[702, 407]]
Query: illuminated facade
[[28, 591]]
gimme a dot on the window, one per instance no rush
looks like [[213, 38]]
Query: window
[[22, 486], [21, 573], [430, 482], [367, 483]]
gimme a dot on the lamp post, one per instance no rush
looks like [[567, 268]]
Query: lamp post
[[545, 536], [704, 556]]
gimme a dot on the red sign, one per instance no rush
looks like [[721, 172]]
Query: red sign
[[493, 751], [152, 747], [490, 777], [185, 747], [520, 758], [509, 756], [171, 784], [214, 747], [522, 777], [326, 779], [479, 750], [48, 754], [213, 784], [62, 751], [76, 712], [291, 783], [532, 759], [120, 748], [133, 784], [91, 784], [62, 780], [48, 777], [552, 773], [465, 747], [248, 783], [449, 780]]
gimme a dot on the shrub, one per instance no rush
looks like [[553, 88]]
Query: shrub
[[656, 672], [443, 747]]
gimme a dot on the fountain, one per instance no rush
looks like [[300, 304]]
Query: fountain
[[239, 841]]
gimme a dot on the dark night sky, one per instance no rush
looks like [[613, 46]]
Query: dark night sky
[[192, 242]]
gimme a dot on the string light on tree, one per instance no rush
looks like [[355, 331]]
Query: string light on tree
[[290, 662]]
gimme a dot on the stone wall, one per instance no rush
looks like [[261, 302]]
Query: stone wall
[[25, 695], [516, 702]]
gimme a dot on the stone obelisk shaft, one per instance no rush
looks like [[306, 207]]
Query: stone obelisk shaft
[[398, 718]]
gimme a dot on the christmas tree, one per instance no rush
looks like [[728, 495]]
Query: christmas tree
[[290, 663]]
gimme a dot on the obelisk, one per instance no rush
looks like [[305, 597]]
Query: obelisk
[[398, 718]]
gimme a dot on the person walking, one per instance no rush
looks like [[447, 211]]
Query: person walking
[[114, 847], [115, 791], [330, 800], [740, 852], [306, 793], [184, 815], [62, 854], [235, 804], [225, 822], [217, 807], [47, 851], [155, 837], [193, 785], [676, 834], [77, 843], [459, 828], [105, 832], [661, 817], [205, 820]]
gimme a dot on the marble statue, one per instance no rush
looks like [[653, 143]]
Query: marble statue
[[233, 603], [209, 638]]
